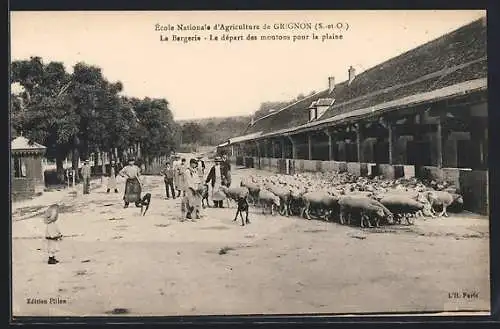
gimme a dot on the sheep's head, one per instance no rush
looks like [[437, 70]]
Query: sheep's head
[[458, 198], [276, 201], [389, 218]]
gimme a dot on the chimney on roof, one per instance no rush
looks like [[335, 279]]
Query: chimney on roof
[[352, 74], [252, 120], [331, 83]]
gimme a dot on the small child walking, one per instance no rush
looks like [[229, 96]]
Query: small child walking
[[52, 233]]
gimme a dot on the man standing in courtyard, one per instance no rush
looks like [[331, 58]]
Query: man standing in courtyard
[[86, 177], [191, 200], [168, 178], [112, 177], [226, 171], [215, 179]]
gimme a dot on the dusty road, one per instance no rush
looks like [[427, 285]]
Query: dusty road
[[112, 259]]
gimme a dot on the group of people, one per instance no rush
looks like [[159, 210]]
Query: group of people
[[180, 179], [189, 180], [86, 174]]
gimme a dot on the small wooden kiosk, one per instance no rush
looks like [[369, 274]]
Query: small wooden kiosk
[[26, 168]]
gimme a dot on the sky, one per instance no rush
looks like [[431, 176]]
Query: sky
[[221, 78]]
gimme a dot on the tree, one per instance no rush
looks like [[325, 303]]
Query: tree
[[83, 112], [192, 133], [42, 112], [157, 130]]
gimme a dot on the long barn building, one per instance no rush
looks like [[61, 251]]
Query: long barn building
[[423, 113]]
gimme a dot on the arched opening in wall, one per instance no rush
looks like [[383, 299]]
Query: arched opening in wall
[[351, 149], [319, 146], [381, 151], [287, 144], [302, 146]]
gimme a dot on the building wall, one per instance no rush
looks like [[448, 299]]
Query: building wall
[[33, 183]]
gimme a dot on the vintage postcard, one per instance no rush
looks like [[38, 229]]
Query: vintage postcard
[[171, 163]]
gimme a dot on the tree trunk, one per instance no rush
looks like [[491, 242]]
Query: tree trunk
[[103, 164], [76, 157], [60, 167]]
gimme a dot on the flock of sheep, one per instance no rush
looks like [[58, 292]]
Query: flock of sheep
[[347, 198]]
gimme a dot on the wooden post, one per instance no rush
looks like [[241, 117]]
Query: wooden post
[[273, 149], [309, 145], [359, 138], [294, 147], [258, 148], [391, 142], [439, 143], [330, 142], [283, 155]]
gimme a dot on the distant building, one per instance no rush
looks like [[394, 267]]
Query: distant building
[[26, 168]]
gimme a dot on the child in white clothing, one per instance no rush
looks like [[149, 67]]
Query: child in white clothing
[[52, 233]]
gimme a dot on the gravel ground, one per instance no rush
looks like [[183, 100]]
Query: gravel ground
[[113, 261]]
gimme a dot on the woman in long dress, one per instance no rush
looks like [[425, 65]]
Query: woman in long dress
[[133, 186], [112, 178], [215, 179]]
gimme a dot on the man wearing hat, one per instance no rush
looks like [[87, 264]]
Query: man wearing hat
[[86, 177], [191, 202], [226, 171], [215, 179], [133, 186], [201, 167], [112, 177]]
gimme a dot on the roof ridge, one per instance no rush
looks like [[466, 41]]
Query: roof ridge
[[444, 71], [290, 105], [441, 37]]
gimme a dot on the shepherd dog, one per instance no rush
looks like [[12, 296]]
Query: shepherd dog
[[144, 203], [242, 208], [204, 196]]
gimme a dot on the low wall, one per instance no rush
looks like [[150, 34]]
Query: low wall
[[354, 168], [309, 165], [22, 188], [474, 189]]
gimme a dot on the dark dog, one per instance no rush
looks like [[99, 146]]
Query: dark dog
[[204, 196], [242, 207], [144, 203]]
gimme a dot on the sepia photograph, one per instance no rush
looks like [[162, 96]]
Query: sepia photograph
[[192, 163]]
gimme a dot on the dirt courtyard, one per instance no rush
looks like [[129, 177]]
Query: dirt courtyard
[[112, 261]]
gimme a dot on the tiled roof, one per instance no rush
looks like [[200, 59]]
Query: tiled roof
[[22, 145], [412, 100], [293, 115], [454, 58]]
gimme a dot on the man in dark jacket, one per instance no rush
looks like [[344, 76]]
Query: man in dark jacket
[[226, 171], [168, 177]]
